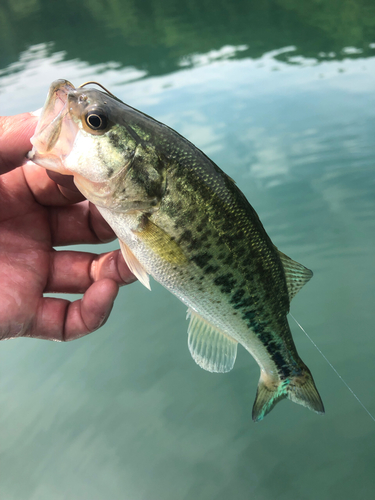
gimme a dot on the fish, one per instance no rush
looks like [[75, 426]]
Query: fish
[[180, 219]]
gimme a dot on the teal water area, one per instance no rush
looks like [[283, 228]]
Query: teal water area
[[280, 94]]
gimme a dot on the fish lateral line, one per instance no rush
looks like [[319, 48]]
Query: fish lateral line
[[334, 369]]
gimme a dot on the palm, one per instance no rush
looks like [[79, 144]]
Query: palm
[[35, 216]]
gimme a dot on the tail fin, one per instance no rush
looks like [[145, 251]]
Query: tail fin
[[299, 389]]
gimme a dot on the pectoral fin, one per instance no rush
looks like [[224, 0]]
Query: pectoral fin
[[134, 265], [210, 348], [161, 243]]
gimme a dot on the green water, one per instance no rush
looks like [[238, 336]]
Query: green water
[[281, 95]]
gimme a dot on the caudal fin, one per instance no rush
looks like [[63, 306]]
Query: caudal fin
[[299, 389]]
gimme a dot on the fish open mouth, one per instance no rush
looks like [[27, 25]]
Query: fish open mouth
[[56, 131]]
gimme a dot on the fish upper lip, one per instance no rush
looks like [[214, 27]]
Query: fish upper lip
[[54, 134]]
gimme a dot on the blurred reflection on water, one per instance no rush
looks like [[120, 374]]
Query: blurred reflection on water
[[281, 95]]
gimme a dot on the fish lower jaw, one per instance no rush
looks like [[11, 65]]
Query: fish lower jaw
[[48, 161]]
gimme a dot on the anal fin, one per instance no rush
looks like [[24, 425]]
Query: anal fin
[[210, 348], [134, 265]]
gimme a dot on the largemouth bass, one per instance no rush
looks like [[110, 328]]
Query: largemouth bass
[[182, 220]]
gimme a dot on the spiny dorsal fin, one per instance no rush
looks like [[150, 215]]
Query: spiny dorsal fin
[[210, 348], [134, 265], [296, 274]]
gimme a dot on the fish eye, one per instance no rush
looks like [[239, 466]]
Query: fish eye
[[96, 120]]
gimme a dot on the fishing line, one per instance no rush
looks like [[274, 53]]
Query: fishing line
[[333, 368], [102, 86], [96, 83]]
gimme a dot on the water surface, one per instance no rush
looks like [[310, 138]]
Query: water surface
[[281, 95]]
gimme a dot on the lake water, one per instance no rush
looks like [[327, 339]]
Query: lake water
[[280, 94]]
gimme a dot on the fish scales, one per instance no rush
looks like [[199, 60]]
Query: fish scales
[[182, 220], [229, 237]]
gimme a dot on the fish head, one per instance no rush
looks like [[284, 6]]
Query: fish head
[[95, 137]]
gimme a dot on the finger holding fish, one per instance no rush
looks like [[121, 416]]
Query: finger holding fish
[[75, 272], [61, 320]]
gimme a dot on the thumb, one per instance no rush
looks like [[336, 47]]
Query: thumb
[[15, 133]]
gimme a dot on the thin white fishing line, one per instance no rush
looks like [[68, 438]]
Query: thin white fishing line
[[333, 368]]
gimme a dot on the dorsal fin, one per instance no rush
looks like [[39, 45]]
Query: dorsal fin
[[296, 274], [210, 348]]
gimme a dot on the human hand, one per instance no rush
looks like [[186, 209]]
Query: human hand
[[37, 214]]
